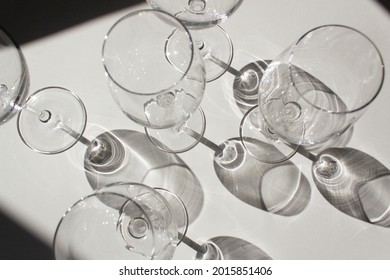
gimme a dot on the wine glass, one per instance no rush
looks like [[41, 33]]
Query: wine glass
[[203, 17], [157, 78], [315, 91], [52, 119], [123, 221]]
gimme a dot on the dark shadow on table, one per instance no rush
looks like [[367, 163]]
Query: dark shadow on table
[[17, 244], [30, 20]]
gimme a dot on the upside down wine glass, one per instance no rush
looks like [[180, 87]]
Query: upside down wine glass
[[126, 221], [156, 76], [202, 18], [314, 92], [52, 119]]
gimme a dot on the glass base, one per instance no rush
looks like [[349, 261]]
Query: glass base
[[52, 121], [216, 49], [180, 138]]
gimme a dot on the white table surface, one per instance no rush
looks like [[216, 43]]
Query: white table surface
[[36, 189]]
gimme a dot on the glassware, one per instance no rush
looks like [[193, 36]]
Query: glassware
[[203, 17], [158, 80], [52, 119], [123, 221], [145, 83], [315, 91]]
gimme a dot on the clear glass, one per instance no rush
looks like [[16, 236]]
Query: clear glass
[[14, 79], [315, 91], [202, 18], [121, 221], [156, 75], [321, 85], [127, 221]]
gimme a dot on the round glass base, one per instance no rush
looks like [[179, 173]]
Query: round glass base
[[52, 120], [180, 138], [246, 84]]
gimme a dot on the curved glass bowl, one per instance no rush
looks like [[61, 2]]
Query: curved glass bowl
[[14, 77], [320, 86], [52, 120], [198, 14], [120, 221], [155, 73]]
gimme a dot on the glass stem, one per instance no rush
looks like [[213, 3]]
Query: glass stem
[[200, 248], [224, 65], [190, 132]]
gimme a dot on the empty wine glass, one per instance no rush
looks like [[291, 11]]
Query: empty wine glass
[[203, 17], [122, 221], [158, 80], [315, 90], [52, 119]]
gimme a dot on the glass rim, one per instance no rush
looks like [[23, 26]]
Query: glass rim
[[370, 100], [138, 12], [94, 194]]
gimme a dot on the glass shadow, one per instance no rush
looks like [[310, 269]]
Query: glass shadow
[[276, 188], [145, 163]]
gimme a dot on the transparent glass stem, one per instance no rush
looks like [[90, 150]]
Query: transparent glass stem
[[45, 115], [190, 132], [200, 248]]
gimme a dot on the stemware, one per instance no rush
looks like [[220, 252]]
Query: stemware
[[203, 17], [156, 76], [126, 221], [315, 91], [52, 119], [145, 84]]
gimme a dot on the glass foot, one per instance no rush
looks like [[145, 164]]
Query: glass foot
[[213, 252], [52, 121]]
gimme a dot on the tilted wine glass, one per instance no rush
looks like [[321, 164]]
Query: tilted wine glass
[[52, 119], [125, 221], [156, 76], [202, 18], [315, 91]]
